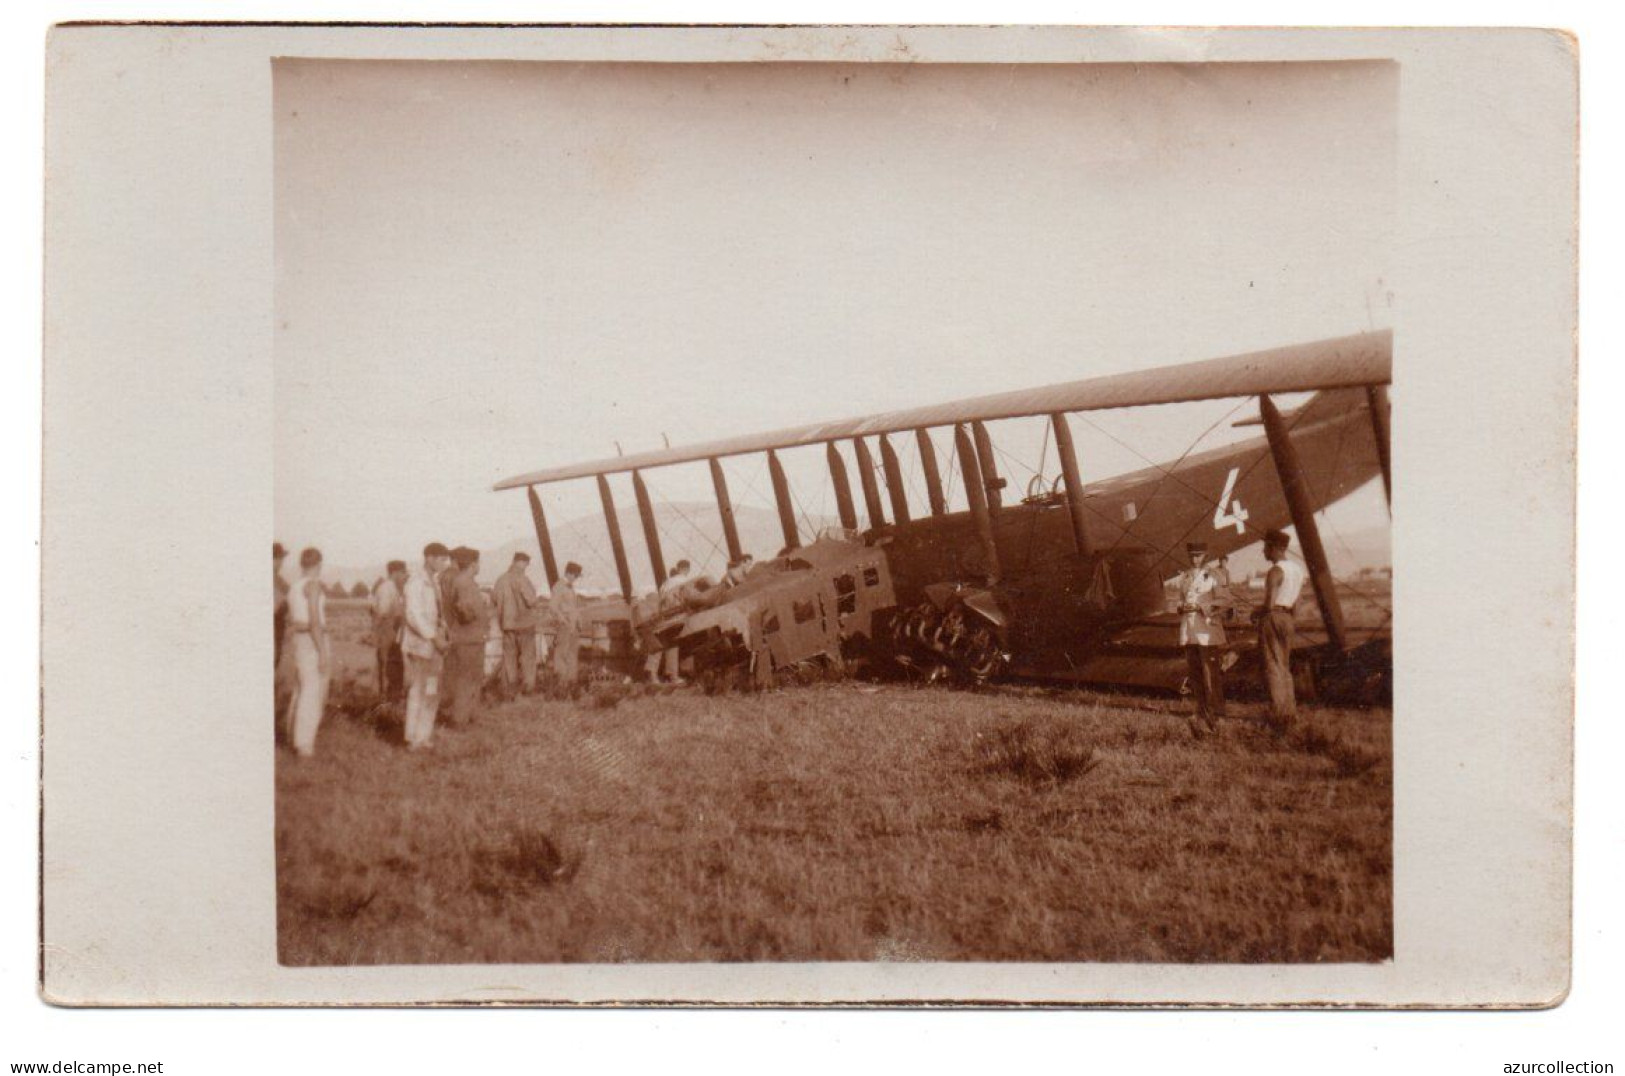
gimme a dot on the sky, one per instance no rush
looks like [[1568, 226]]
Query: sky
[[484, 269]]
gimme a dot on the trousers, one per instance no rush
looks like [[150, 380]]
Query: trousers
[[279, 630], [309, 694], [519, 659], [391, 671], [1275, 639], [566, 654], [422, 697], [1207, 681], [465, 673]]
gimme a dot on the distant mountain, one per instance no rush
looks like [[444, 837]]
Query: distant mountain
[[688, 530], [691, 530]]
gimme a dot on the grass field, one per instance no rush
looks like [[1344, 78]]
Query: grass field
[[838, 821]]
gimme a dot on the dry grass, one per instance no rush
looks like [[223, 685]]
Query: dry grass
[[838, 821]]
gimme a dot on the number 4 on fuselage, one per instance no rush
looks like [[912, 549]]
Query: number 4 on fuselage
[[1237, 515]]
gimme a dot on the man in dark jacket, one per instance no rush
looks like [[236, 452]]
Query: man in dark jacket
[[468, 620], [516, 603]]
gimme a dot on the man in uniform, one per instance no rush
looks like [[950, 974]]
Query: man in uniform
[[468, 622], [1201, 633], [566, 608], [388, 604], [516, 615], [423, 644], [1275, 618]]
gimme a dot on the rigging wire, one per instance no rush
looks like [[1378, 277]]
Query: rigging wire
[[684, 552], [593, 553], [914, 482], [1167, 472]]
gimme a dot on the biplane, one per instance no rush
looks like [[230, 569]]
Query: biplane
[[1064, 583]]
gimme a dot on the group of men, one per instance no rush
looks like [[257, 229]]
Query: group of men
[[433, 626], [1206, 602], [429, 629]]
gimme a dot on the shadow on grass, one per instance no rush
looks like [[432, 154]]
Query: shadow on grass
[[1050, 753], [521, 860]]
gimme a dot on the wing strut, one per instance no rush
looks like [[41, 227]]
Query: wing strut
[[933, 477], [1377, 397], [871, 487], [613, 522], [651, 532], [1296, 488], [543, 539], [843, 489], [989, 466], [725, 509], [781, 498], [976, 494], [894, 481], [1074, 483]]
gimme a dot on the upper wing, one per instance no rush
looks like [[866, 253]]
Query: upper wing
[[1346, 361]]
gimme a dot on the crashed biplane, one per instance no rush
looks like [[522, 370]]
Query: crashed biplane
[[1066, 583]]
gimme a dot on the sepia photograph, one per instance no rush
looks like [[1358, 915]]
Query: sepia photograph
[[833, 512], [807, 516]]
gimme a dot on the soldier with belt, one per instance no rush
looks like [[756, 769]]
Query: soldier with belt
[[1201, 633]]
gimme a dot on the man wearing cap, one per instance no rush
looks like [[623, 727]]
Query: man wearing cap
[[1201, 633], [516, 615], [468, 622], [423, 642], [566, 609], [1282, 586], [388, 603]]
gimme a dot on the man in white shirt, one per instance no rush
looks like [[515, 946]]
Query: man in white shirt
[[1282, 586], [423, 644]]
